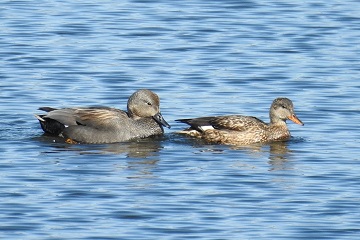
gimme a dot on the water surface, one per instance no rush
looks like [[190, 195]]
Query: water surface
[[202, 58]]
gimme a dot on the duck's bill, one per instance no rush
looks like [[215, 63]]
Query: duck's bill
[[159, 119], [295, 119]]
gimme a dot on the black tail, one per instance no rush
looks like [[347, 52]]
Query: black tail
[[196, 123], [47, 109], [50, 126]]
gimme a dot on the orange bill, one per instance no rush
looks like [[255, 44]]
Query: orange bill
[[295, 119]]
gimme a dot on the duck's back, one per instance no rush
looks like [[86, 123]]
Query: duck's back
[[236, 130], [237, 123]]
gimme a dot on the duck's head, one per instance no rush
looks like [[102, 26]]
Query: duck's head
[[283, 109], [145, 103]]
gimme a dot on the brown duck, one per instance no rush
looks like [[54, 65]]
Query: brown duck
[[105, 124], [242, 130]]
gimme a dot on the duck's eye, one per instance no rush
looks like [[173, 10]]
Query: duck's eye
[[283, 106], [149, 103]]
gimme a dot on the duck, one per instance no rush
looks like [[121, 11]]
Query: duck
[[244, 130], [97, 125]]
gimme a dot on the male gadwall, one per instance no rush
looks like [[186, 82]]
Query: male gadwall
[[241, 130], [105, 124]]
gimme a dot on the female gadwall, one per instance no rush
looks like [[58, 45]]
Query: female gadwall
[[104, 124], [240, 130]]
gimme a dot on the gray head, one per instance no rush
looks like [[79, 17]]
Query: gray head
[[145, 103], [283, 109]]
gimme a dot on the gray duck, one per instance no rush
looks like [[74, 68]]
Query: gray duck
[[104, 124]]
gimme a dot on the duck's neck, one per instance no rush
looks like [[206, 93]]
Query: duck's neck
[[149, 125], [279, 130]]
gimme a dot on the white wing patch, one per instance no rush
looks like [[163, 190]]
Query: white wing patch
[[204, 128]]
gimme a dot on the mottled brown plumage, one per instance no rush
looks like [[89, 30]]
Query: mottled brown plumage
[[241, 130], [104, 124]]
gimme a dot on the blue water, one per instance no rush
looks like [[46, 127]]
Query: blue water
[[202, 58]]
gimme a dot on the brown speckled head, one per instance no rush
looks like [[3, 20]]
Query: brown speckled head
[[282, 109]]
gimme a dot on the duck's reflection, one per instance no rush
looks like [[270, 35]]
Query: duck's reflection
[[138, 158], [138, 149], [142, 148], [279, 156]]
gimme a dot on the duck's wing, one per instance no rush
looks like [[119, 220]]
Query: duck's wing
[[98, 117], [103, 117], [231, 122], [65, 116], [237, 122]]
